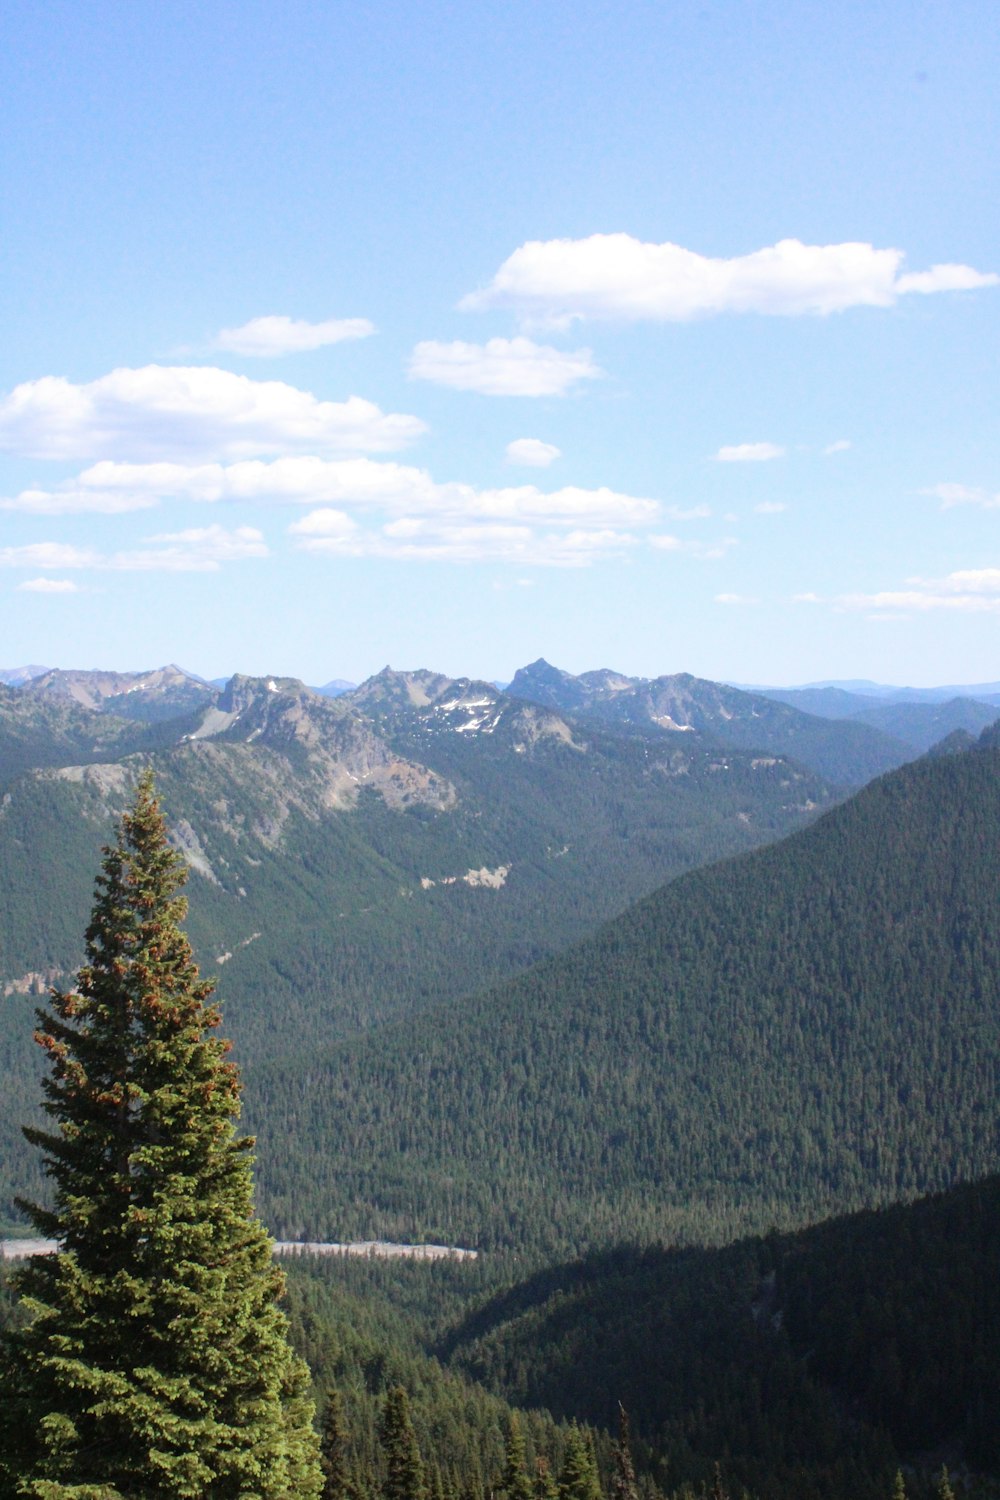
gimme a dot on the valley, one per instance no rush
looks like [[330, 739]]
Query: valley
[[630, 989]]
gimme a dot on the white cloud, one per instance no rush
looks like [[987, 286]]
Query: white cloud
[[532, 453], [770, 508], [503, 367], [966, 591], [397, 488], [840, 446], [963, 494], [189, 413], [200, 550], [907, 601], [735, 599], [76, 499], [945, 278], [49, 555], [423, 539], [48, 586], [968, 580], [706, 551], [359, 507], [324, 523], [267, 337], [749, 453], [615, 276]]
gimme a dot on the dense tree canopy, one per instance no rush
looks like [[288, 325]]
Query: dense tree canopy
[[155, 1362]]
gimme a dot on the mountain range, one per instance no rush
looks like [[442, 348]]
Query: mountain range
[[353, 858], [726, 1052], [560, 970]]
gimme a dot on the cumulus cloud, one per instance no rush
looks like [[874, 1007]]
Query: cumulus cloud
[[615, 276], [532, 453], [749, 453], [271, 336], [188, 413], [48, 586], [966, 591], [199, 550], [964, 494], [400, 489], [840, 446], [503, 367], [360, 507]]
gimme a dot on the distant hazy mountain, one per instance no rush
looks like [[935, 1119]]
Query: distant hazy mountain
[[15, 676], [917, 723], [720, 715], [985, 692], [336, 688], [826, 702], [925, 724], [146, 696]]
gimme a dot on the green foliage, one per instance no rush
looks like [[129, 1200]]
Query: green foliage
[[812, 1362], [404, 1465], [334, 1450], [321, 920], [814, 1026], [578, 1478], [155, 1361], [516, 1485]]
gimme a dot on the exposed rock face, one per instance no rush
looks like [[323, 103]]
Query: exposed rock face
[[430, 704], [159, 694]]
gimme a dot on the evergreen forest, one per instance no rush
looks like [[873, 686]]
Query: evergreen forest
[[693, 1039]]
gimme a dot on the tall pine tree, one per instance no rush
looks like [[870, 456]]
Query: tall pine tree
[[156, 1362], [405, 1473]]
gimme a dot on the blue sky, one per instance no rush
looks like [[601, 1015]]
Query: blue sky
[[654, 336]]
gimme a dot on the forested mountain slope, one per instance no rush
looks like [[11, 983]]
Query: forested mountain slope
[[36, 732], [354, 862], [859, 1343], [810, 1027]]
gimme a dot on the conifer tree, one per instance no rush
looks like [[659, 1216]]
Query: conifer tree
[[545, 1486], [404, 1464], [156, 1362], [333, 1451], [944, 1489], [516, 1484], [578, 1478]]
